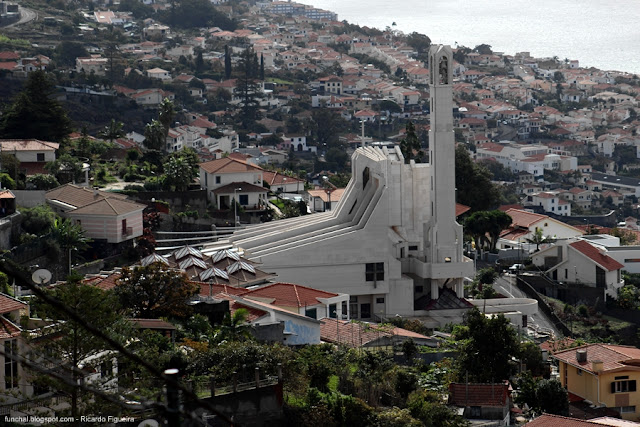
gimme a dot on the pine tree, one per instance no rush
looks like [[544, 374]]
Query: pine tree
[[35, 114], [262, 70], [227, 63], [247, 88]]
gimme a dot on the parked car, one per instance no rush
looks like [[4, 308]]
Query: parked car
[[516, 267]]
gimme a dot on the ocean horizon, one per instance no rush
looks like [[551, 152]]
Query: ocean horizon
[[598, 33]]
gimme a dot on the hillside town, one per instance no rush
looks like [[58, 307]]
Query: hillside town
[[253, 213]]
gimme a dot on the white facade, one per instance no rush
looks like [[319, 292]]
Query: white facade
[[393, 240]]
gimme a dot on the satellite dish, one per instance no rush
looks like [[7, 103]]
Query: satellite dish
[[41, 276]]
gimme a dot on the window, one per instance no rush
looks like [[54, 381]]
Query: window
[[419, 289], [353, 307], [579, 371], [311, 312], [244, 199], [40, 157], [413, 247], [217, 180], [624, 386], [10, 364], [476, 412], [627, 409], [379, 300], [374, 271], [333, 311]]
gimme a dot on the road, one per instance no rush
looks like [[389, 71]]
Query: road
[[505, 285], [26, 15]]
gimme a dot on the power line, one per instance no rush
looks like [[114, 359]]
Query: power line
[[170, 382]]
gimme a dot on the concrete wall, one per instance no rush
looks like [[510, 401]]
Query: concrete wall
[[256, 407], [29, 198]]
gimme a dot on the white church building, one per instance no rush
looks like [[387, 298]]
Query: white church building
[[392, 243]]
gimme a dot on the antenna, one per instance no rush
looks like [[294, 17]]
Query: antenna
[[41, 276]]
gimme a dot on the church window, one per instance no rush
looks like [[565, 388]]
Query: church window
[[374, 271], [365, 177]]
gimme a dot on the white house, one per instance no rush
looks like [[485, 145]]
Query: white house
[[223, 172], [551, 202], [158, 73], [580, 262]]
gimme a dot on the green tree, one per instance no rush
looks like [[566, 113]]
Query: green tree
[[67, 51], [537, 238], [112, 131], [66, 168], [531, 357], [543, 395], [473, 183], [427, 407], [71, 237], [247, 87], [178, 174], [227, 62], [6, 181], [154, 136], [486, 226], [38, 219], [483, 49], [35, 113], [487, 349], [154, 291], [235, 326], [41, 181], [166, 114], [67, 344], [410, 144]]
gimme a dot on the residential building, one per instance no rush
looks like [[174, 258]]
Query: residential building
[[95, 64], [579, 262], [369, 336], [102, 215], [623, 184], [159, 73], [604, 374], [550, 202], [32, 154], [321, 200], [490, 403], [227, 178]]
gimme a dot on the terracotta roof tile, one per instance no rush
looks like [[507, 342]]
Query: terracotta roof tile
[[595, 255], [546, 420], [290, 295], [27, 145], [613, 357], [8, 329], [228, 165], [492, 395], [8, 304], [357, 334]]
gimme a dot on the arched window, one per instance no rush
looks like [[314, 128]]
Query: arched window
[[365, 177]]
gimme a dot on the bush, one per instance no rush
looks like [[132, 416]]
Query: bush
[[583, 310], [42, 181], [37, 220]]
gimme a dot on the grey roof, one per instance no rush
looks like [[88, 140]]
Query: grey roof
[[615, 179]]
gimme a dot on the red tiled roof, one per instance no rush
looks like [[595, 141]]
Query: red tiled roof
[[8, 329], [104, 283], [523, 218], [275, 178], [594, 254], [290, 295], [460, 209], [613, 357], [495, 395], [546, 420], [152, 324], [253, 313], [554, 346], [8, 304], [356, 334], [228, 165]]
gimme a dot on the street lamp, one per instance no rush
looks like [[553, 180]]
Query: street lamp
[[235, 206]]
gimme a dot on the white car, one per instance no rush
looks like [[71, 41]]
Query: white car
[[516, 267]]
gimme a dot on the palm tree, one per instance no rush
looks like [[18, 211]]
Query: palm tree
[[155, 135], [112, 131], [70, 236], [538, 238], [166, 114], [235, 326]]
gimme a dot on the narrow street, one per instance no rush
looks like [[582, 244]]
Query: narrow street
[[506, 286], [26, 15]]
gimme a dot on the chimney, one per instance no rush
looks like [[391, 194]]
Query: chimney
[[581, 356], [597, 366]]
